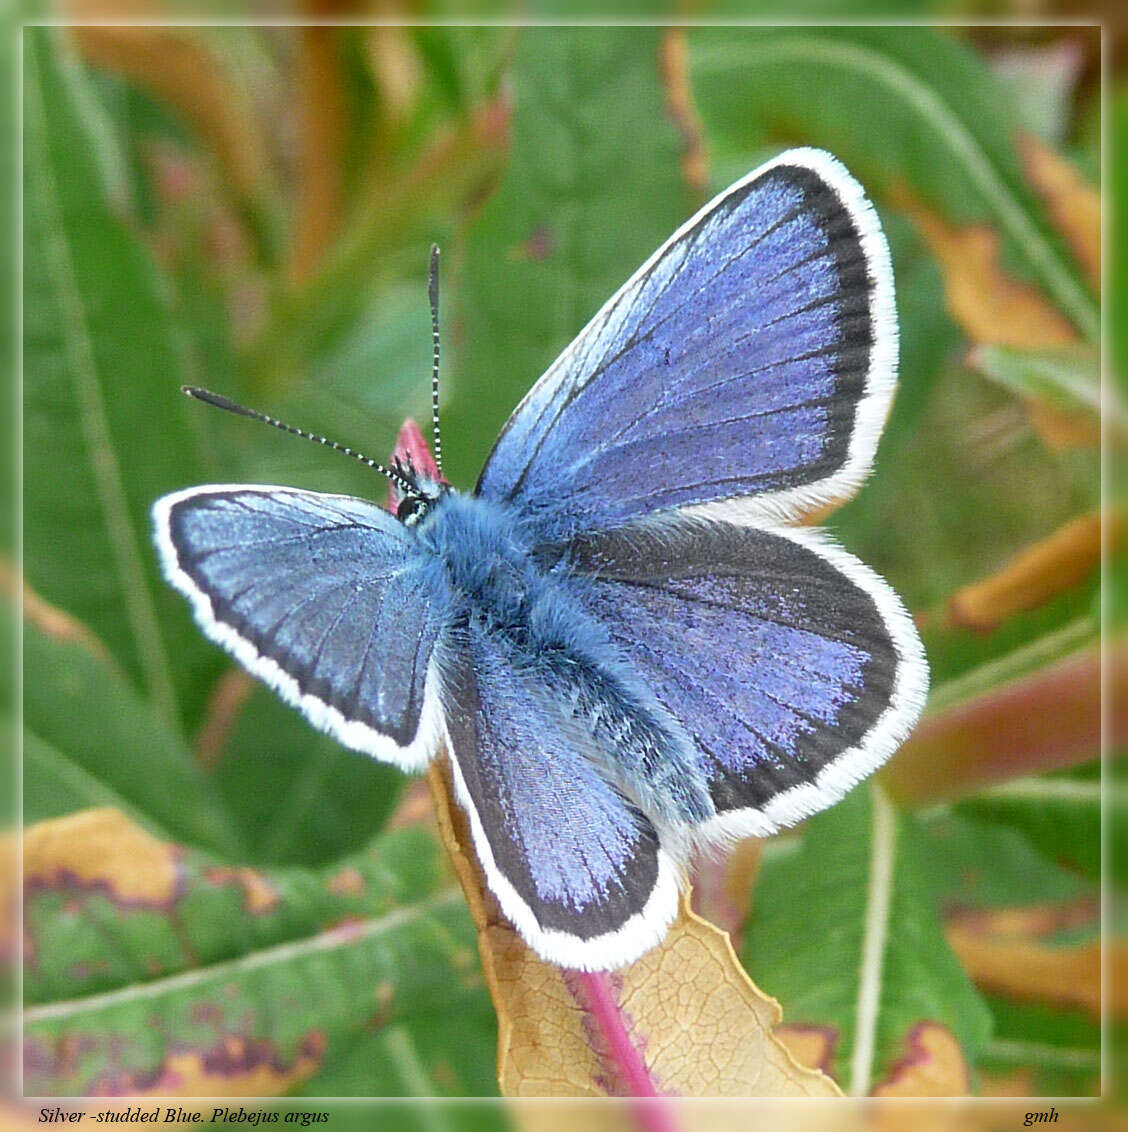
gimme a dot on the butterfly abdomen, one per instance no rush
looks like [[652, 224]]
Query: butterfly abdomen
[[566, 657]]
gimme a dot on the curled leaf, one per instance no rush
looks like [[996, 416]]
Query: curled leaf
[[695, 1023], [177, 67], [1013, 952], [1060, 386], [324, 126]]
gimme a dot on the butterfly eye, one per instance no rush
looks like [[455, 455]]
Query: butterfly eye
[[410, 507]]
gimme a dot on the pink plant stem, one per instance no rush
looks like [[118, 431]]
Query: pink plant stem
[[654, 1111]]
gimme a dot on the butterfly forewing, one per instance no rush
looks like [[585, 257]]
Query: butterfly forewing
[[323, 598], [745, 368]]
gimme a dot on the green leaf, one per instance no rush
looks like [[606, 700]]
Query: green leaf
[[92, 739], [844, 932], [54, 784], [437, 1053], [973, 862], [592, 189], [313, 800], [1060, 813], [1068, 378], [1059, 1049], [105, 431], [901, 107], [189, 973]]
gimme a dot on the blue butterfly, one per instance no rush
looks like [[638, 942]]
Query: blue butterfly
[[625, 651]]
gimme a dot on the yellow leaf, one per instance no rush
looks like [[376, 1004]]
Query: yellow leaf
[[698, 1024], [235, 1067], [101, 848]]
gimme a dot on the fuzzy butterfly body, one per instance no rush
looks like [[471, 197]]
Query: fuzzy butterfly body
[[623, 649]]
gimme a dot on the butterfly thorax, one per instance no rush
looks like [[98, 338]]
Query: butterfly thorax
[[503, 590], [488, 560]]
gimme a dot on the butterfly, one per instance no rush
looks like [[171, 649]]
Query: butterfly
[[625, 650]]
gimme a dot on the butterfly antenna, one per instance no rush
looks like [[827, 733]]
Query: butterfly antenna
[[433, 295], [208, 397]]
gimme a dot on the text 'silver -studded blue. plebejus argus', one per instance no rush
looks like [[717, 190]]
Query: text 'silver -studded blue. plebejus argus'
[[624, 649]]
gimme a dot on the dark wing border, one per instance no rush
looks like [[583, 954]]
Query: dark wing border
[[890, 728]]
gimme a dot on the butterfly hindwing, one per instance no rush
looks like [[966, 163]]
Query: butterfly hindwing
[[793, 666], [322, 597], [745, 370], [575, 867]]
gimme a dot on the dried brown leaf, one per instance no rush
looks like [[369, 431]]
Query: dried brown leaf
[[810, 1045], [698, 1023], [177, 67], [991, 306], [1073, 204], [933, 1066], [1007, 952], [1035, 575]]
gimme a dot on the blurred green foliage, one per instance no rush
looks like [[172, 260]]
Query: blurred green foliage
[[251, 210]]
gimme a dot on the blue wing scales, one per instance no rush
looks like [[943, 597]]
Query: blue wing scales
[[745, 370], [793, 667], [577, 868], [320, 596]]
